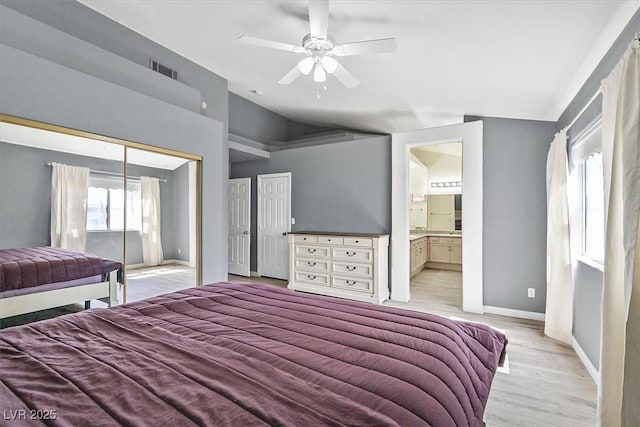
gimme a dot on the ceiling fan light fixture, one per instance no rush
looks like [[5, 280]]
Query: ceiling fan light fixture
[[329, 64], [319, 74], [306, 65]]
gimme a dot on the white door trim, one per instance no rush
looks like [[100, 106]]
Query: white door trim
[[259, 216], [471, 136], [246, 271]]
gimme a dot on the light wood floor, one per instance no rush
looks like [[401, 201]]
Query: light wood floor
[[152, 281], [546, 385]]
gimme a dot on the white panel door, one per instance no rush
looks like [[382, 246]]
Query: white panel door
[[274, 222], [239, 226]]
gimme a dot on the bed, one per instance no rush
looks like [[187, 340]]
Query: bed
[[232, 354], [38, 278]]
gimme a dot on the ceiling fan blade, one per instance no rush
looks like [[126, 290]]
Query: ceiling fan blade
[[271, 44], [290, 76], [345, 77], [319, 18], [365, 47]]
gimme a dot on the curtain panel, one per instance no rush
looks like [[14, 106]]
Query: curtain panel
[[559, 307], [151, 222], [69, 187], [619, 388]]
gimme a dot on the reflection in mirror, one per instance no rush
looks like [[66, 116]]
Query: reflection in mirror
[[436, 187], [161, 223], [61, 199]]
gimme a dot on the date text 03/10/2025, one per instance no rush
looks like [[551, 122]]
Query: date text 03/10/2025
[[29, 414]]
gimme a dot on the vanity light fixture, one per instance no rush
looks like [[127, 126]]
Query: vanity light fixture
[[446, 184]]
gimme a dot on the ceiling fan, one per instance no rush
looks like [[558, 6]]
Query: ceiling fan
[[320, 49]]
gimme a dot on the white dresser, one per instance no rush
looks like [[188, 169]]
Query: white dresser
[[353, 266]]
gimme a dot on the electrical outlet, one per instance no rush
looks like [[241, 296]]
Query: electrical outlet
[[179, 251], [293, 221], [531, 293]]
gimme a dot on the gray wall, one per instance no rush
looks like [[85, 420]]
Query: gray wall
[[94, 44], [252, 121], [180, 202], [587, 279], [342, 187], [25, 211], [64, 89], [514, 211], [587, 310]]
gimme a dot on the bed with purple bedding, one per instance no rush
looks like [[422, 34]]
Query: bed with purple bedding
[[248, 354], [37, 278], [30, 267]]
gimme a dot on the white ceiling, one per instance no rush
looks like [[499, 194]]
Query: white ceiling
[[453, 148], [48, 140], [517, 59]]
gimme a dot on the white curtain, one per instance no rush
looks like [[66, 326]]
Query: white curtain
[[619, 388], [559, 310], [69, 187], [151, 227]]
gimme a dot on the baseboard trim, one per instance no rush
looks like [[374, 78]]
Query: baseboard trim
[[595, 375], [520, 314], [165, 262], [175, 261], [254, 274]]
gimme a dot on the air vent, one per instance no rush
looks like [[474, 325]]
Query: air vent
[[164, 70]]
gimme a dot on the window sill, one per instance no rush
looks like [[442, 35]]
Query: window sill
[[113, 231], [591, 263]]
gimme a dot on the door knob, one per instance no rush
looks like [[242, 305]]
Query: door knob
[[284, 234], [246, 232]]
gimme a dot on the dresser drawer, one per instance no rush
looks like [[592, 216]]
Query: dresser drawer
[[312, 251], [363, 242], [330, 240], [305, 238], [354, 284], [312, 278], [347, 268], [354, 254], [311, 264]]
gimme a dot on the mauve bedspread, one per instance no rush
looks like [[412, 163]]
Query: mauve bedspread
[[233, 354], [28, 267]]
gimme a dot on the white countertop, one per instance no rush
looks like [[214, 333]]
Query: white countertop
[[419, 235]]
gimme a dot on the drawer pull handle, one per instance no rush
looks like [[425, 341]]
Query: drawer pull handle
[[357, 241], [312, 251], [351, 282], [311, 264], [328, 240], [351, 267], [311, 277], [349, 253]]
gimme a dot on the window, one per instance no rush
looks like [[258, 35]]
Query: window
[[593, 208], [97, 202], [105, 205]]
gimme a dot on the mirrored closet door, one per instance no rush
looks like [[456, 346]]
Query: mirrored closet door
[[161, 242], [133, 204]]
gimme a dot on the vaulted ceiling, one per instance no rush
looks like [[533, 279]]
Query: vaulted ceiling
[[517, 59]]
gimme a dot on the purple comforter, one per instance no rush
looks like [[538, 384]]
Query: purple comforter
[[28, 267], [244, 355]]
